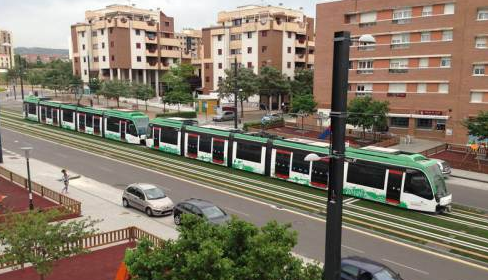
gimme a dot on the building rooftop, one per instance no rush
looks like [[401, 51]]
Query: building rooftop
[[252, 11]]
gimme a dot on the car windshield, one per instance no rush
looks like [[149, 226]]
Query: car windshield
[[155, 193], [440, 184], [141, 125], [386, 274], [213, 212]]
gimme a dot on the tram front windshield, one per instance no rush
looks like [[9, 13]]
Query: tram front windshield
[[141, 125], [439, 182]]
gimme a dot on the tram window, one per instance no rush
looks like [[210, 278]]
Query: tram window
[[89, 120], [68, 116], [32, 109], [49, 112], [150, 131], [416, 183], [131, 129], [367, 174], [113, 124], [249, 151], [205, 144], [169, 135], [299, 164]]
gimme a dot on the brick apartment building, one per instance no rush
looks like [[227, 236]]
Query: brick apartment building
[[430, 61], [126, 43], [7, 60], [258, 36]]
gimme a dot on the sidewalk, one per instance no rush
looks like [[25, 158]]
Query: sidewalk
[[99, 201], [469, 175]]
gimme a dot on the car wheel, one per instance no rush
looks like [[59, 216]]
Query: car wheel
[[125, 203], [177, 219], [149, 212]]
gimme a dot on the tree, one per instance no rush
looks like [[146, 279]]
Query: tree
[[272, 83], [34, 77], [367, 113], [237, 251], [302, 84], [114, 90], [95, 84], [143, 92], [246, 83], [33, 238], [178, 88], [478, 126], [303, 103]]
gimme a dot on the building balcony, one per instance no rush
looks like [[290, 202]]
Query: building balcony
[[152, 52], [302, 43], [171, 53], [311, 59], [152, 65], [151, 39], [397, 94], [300, 58], [169, 42], [397, 70], [297, 27], [145, 25], [311, 44]]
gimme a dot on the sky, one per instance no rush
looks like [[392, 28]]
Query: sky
[[46, 23]]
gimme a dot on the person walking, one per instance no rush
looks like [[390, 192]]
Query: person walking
[[65, 180]]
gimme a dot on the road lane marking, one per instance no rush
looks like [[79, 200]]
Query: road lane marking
[[353, 249], [236, 211], [406, 266], [363, 232]]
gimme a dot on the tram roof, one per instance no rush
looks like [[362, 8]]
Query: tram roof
[[92, 110], [209, 130], [122, 113], [167, 122], [34, 99]]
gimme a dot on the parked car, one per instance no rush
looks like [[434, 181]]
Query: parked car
[[148, 198], [270, 118], [358, 268], [225, 116], [202, 208], [445, 167]]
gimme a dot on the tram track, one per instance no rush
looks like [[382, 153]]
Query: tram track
[[292, 197]]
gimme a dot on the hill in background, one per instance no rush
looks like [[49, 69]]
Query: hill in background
[[41, 51]]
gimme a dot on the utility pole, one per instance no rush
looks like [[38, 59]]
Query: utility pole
[[236, 92], [21, 74], [338, 114]]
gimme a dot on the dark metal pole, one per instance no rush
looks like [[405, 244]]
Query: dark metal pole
[[21, 73], [236, 92], [31, 204], [332, 267]]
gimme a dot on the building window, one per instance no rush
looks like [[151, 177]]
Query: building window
[[112, 44], [477, 97], [249, 35], [446, 62], [219, 38], [290, 35], [138, 32], [424, 62], [235, 37], [264, 48], [83, 34], [207, 79], [110, 30], [427, 11], [220, 79], [103, 58], [113, 58], [76, 60], [220, 65], [444, 88], [249, 49], [480, 42], [84, 71], [264, 33], [425, 37], [249, 65], [397, 88], [402, 16], [102, 31], [424, 123], [83, 46], [289, 49], [440, 125], [103, 45], [219, 51], [95, 59], [449, 9], [94, 33], [364, 89], [399, 65], [365, 67], [288, 65], [84, 59], [235, 51], [479, 70], [399, 41], [422, 88], [166, 23], [447, 35], [207, 66], [95, 46], [139, 59], [367, 19], [399, 122], [482, 14], [138, 45]]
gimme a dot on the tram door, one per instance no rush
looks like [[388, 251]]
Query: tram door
[[123, 129], [282, 164], [394, 186], [96, 125], [43, 113], [81, 122], [55, 116], [156, 137], [192, 146], [218, 150], [320, 173]]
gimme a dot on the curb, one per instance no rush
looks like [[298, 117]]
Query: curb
[[470, 179]]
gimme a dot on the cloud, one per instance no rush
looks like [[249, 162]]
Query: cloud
[[46, 23]]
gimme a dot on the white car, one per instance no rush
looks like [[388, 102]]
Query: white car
[[148, 198]]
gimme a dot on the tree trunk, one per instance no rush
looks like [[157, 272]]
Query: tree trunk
[[178, 107], [42, 276], [242, 109], [364, 133], [55, 93], [145, 101], [137, 103], [98, 99], [118, 105]]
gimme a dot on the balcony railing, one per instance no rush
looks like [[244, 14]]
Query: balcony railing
[[366, 24], [402, 21], [396, 94], [365, 71], [398, 70], [395, 46]]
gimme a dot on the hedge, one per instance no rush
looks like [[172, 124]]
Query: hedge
[[267, 125], [189, 115]]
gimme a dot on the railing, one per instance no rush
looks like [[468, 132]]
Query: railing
[[129, 234], [65, 203], [435, 150]]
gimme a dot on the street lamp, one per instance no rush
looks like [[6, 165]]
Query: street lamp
[[26, 151], [338, 115]]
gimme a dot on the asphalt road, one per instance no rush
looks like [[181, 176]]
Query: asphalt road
[[412, 263]]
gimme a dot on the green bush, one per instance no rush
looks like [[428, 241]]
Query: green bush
[[255, 124], [2, 89], [189, 115], [267, 125]]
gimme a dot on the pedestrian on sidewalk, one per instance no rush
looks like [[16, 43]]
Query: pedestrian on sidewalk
[[65, 180]]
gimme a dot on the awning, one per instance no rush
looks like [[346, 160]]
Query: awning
[[417, 116]]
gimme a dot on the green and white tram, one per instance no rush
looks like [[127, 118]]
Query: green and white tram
[[121, 125]]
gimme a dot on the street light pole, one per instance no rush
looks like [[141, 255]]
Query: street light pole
[[27, 150], [21, 73], [236, 91]]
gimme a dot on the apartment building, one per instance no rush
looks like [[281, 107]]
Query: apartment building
[[125, 43], [7, 60], [190, 43], [257, 36], [430, 61]]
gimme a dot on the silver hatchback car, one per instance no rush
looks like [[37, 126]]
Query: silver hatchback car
[[148, 198]]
